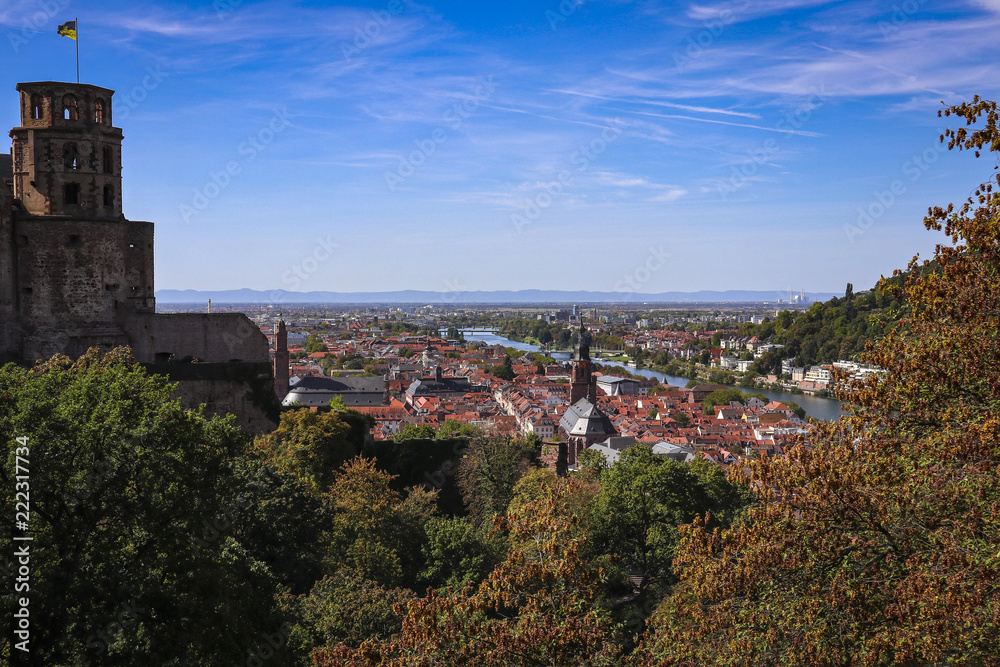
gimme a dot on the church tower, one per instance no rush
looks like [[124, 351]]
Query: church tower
[[281, 360], [67, 154], [582, 384]]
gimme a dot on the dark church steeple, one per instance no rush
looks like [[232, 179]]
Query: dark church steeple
[[582, 384]]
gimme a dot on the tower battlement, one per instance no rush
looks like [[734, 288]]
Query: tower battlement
[[66, 152]]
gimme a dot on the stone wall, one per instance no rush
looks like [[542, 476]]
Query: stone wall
[[219, 337], [74, 273], [10, 341], [241, 389]]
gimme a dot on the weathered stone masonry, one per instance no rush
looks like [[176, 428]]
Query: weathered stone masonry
[[75, 273]]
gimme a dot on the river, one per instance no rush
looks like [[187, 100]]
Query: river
[[827, 409]]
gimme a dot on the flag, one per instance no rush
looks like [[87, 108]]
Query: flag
[[68, 29]]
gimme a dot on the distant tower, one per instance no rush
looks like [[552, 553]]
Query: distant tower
[[427, 358], [582, 384], [281, 360], [67, 154]]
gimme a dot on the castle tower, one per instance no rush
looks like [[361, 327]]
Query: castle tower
[[281, 360], [76, 274], [67, 154], [582, 384], [82, 268]]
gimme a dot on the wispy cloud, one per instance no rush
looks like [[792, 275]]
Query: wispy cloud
[[779, 130], [659, 103], [744, 10]]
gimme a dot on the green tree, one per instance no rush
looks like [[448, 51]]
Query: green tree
[[643, 499], [415, 432], [490, 469], [504, 370], [456, 553], [309, 445], [376, 532], [536, 608], [133, 560], [346, 608], [721, 397], [452, 428], [314, 343]]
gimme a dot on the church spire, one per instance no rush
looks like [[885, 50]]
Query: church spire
[[582, 350]]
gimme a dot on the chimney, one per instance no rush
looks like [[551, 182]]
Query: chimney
[[437, 372]]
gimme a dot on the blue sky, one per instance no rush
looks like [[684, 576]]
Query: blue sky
[[605, 145]]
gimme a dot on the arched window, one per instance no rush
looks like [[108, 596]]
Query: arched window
[[36, 106], [109, 196], [109, 160], [99, 111], [71, 156], [70, 109]]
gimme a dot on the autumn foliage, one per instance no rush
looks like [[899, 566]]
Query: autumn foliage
[[875, 543], [535, 608]]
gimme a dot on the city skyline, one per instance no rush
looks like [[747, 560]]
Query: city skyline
[[606, 146]]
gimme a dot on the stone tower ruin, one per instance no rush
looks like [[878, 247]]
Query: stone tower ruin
[[76, 274]]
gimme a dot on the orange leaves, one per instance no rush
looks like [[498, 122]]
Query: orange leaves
[[876, 542], [534, 609]]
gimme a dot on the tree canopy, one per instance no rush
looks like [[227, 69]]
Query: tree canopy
[[875, 543]]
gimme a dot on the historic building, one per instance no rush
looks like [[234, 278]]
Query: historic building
[[583, 424], [76, 274]]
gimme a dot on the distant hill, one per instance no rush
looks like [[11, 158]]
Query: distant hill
[[831, 330], [494, 297]]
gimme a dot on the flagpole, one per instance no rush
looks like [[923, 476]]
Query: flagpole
[[77, 40]]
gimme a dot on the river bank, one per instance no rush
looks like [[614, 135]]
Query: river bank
[[827, 409]]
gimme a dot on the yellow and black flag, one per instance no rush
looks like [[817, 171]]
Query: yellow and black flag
[[68, 29]]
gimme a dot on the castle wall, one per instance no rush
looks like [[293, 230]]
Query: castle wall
[[243, 389], [219, 337], [72, 274], [10, 341]]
